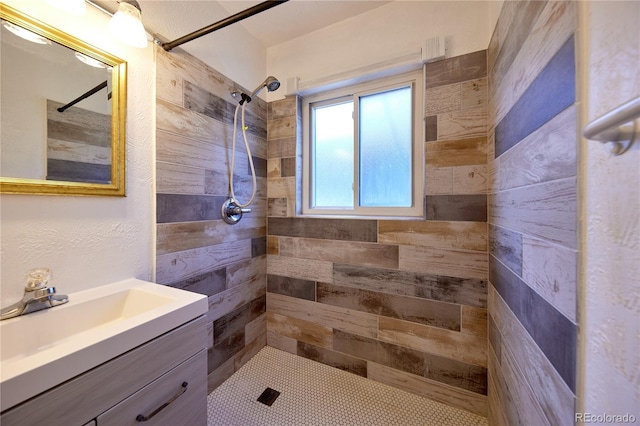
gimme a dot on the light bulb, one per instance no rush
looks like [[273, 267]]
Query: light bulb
[[126, 25]]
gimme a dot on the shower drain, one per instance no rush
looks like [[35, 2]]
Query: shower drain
[[269, 396]]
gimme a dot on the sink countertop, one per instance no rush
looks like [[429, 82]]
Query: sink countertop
[[45, 348]]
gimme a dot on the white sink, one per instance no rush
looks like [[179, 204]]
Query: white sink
[[45, 348]]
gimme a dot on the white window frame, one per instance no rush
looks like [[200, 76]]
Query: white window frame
[[416, 210]]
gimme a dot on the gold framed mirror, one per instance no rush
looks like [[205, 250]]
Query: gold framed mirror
[[63, 112]]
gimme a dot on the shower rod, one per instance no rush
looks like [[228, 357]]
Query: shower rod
[[247, 13]]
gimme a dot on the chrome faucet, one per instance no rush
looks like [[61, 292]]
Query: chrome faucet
[[37, 296]]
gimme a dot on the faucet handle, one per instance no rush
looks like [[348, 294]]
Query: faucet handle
[[38, 279]]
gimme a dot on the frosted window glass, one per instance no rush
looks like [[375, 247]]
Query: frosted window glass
[[333, 166], [385, 149]]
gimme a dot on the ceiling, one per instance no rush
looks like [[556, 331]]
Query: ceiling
[[274, 26]]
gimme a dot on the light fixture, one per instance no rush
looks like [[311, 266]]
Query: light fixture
[[126, 24], [25, 34], [89, 61], [76, 7]]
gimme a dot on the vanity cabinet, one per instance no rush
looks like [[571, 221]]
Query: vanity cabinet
[[161, 382]]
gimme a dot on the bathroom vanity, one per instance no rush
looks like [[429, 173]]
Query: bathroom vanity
[[157, 376]]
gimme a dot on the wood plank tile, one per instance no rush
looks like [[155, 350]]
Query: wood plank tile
[[249, 351], [177, 149], [273, 245], [443, 99], [458, 152], [283, 343], [448, 262], [423, 311], [551, 392], [282, 148], [554, 26], [300, 330], [434, 340], [522, 25], [237, 319], [208, 283], [456, 373], [441, 234], [547, 154], [470, 179], [307, 269], [474, 320], [468, 123], [394, 356], [292, 287], [330, 229], [438, 180], [60, 149], [216, 377], [502, 407], [552, 91], [457, 69], [450, 395], [283, 107], [431, 128], [356, 253], [288, 167], [255, 329], [552, 332], [245, 271], [463, 291], [233, 298], [185, 208], [506, 245], [551, 271], [182, 236], [225, 349], [282, 127], [277, 207], [192, 125], [474, 93], [259, 247], [200, 100], [546, 211], [333, 359], [472, 207], [177, 179], [171, 267], [360, 323], [282, 188], [273, 168]]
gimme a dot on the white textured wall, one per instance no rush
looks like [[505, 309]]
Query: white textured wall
[[381, 34], [611, 314], [88, 241]]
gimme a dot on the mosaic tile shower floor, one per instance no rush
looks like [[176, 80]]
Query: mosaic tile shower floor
[[312, 393]]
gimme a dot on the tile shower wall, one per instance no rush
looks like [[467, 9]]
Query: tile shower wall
[[398, 301], [532, 215], [195, 249]]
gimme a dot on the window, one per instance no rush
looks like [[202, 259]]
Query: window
[[363, 150]]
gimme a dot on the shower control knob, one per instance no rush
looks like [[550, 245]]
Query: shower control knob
[[232, 213]]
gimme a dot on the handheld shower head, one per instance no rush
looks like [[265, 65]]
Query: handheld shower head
[[271, 83]]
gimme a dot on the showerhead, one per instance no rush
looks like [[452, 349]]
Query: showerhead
[[271, 83]]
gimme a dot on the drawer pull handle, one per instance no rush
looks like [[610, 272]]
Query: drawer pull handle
[[143, 418]]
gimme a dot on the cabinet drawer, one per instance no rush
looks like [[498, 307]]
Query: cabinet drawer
[[166, 400], [80, 399]]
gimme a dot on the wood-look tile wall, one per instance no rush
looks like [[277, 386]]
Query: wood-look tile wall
[[532, 214], [402, 302], [196, 250]]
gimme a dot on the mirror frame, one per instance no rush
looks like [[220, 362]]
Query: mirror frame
[[9, 185]]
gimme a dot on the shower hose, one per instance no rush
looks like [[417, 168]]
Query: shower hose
[[233, 158]]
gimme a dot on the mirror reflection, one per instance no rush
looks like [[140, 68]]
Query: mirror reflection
[[62, 121]]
